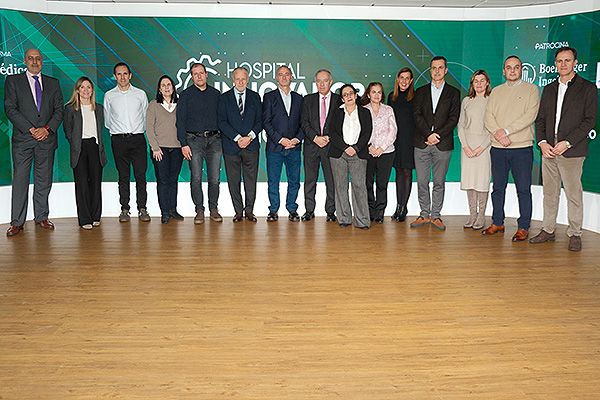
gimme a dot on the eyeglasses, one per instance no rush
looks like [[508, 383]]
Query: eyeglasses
[[349, 94]]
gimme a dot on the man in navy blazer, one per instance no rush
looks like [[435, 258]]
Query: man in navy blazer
[[240, 122], [281, 119], [33, 102], [436, 111]]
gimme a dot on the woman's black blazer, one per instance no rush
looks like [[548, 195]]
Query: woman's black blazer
[[338, 146], [73, 126]]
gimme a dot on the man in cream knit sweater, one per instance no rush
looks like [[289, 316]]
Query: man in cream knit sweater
[[509, 116]]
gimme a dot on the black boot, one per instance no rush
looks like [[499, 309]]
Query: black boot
[[397, 212], [402, 214]]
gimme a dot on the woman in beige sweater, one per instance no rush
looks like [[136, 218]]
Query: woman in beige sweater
[[165, 148], [475, 142]]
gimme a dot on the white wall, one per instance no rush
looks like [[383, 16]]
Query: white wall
[[62, 202]]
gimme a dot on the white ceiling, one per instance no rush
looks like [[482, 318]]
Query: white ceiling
[[373, 3]]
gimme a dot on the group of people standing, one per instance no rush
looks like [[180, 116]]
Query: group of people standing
[[354, 141]]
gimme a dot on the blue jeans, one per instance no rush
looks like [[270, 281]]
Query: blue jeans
[[275, 161], [209, 149], [167, 178], [519, 161]]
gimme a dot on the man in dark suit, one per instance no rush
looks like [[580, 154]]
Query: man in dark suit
[[281, 119], [315, 122], [239, 116], [566, 116], [34, 104], [436, 112]]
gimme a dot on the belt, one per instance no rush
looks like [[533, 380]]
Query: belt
[[127, 135], [205, 133]]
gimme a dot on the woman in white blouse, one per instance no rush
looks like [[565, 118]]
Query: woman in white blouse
[[351, 127], [165, 148], [381, 149], [83, 129]]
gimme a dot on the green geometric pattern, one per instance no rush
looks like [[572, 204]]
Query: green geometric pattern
[[356, 51]]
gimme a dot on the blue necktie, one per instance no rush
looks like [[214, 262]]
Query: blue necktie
[[241, 106], [38, 92]]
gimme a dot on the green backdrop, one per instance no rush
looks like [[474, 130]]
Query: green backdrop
[[357, 51]]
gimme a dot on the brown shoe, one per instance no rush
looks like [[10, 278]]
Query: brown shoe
[[14, 230], [46, 224], [542, 237], [199, 218], [238, 217], [437, 222], [143, 215], [250, 217], [493, 229], [420, 222], [520, 235], [575, 243], [215, 216]]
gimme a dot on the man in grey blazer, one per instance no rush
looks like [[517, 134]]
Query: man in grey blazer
[[33, 102]]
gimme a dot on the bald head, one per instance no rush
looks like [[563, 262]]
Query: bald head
[[34, 61]]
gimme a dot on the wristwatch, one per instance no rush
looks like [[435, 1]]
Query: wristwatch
[[569, 145]]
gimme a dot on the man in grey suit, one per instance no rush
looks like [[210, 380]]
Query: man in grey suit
[[34, 104], [315, 123]]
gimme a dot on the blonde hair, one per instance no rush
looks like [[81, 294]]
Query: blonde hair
[[75, 96]]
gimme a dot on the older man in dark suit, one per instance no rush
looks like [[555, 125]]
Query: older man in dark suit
[[436, 112], [566, 116], [240, 122], [33, 102], [281, 118], [315, 122]]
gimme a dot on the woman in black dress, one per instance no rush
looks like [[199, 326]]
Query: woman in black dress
[[401, 100]]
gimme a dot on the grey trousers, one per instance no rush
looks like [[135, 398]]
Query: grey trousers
[[348, 169], [425, 159], [42, 159], [568, 171], [245, 163]]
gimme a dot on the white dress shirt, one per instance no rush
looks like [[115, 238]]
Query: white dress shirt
[[351, 126], [125, 112]]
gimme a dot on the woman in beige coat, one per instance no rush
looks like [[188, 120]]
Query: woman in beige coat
[[475, 142]]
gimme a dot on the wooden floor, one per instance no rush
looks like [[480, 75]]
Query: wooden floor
[[296, 311]]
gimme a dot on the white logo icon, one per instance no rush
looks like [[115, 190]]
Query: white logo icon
[[205, 59], [528, 74]]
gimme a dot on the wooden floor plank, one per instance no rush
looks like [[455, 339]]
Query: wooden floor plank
[[296, 311]]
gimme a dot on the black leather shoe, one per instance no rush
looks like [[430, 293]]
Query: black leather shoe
[[402, 215], [331, 217], [397, 212], [166, 218], [294, 217], [379, 220], [272, 217], [175, 215], [344, 225], [308, 216]]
